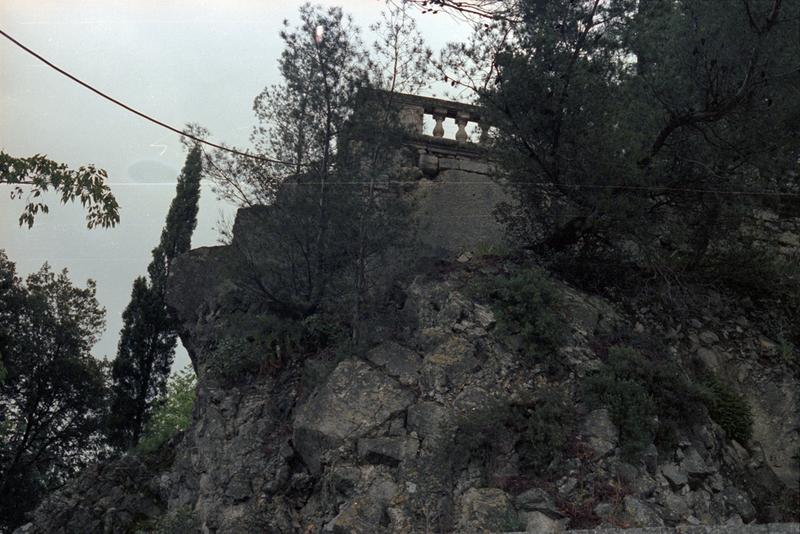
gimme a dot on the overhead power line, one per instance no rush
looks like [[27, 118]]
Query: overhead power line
[[140, 113], [289, 163]]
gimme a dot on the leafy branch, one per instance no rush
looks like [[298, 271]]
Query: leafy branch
[[33, 176]]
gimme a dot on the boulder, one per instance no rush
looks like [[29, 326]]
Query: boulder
[[541, 523], [694, 465], [708, 337], [676, 475], [355, 400], [485, 509], [641, 514], [734, 501], [367, 512], [398, 361], [536, 500], [448, 364], [430, 420]]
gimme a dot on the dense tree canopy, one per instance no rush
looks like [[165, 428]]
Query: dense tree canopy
[[613, 139], [327, 216], [52, 399]]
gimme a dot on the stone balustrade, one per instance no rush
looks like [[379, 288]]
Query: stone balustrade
[[413, 109]]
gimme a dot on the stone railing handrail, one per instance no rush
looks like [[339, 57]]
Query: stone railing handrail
[[414, 107]]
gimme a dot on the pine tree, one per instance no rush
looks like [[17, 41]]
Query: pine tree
[[148, 337]]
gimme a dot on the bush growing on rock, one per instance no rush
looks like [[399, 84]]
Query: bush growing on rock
[[233, 360], [649, 398], [540, 434], [547, 431], [528, 304], [729, 409], [263, 344]]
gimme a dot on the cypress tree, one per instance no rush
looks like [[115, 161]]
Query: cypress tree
[[148, 336]]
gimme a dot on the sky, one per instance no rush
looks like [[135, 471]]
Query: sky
[[182, 61]]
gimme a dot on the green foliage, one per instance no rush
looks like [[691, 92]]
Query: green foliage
[[233, 360], [541, 433], [618, 145], [176, 237], [139, 371], [31, 177], [148, 336], [331, 215], [729, 409], [263, 344], [180, 521], [477, 432], [402, 62], [53, 396], [648, 398], [786, 349], [493, 250], [173, 414], [546, 431], [529, 304], [763, 276]]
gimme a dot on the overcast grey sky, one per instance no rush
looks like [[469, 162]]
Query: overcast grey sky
[[181, 61]]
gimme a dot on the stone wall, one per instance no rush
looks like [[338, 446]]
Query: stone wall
[[455, 202]]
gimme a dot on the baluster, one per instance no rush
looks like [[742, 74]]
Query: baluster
[[484, 132], [461, 120], [439, 116]]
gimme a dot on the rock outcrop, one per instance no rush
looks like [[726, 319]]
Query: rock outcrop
[[386, 440]]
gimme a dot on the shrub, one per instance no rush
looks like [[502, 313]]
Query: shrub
[[263, 344], [493, 250], [174, 414], [637, 390], [761, 274], [547, 431], [541, 433], [232, 360], [729, 409], [529, 304], [477, 433]]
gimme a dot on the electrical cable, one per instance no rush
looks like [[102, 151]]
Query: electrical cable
[[140, 113], [271, 160]]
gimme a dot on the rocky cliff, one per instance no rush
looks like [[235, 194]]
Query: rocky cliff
[[442, 423]]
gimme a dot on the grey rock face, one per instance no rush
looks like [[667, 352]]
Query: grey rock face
[[431, 421], [600, 433], [676, 475], [485, 509], [389, 450], [537, 500], [107, 498], [539, 522], [736, 501], [640, 513], [355, 400], [399, 362], [388, 443]]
